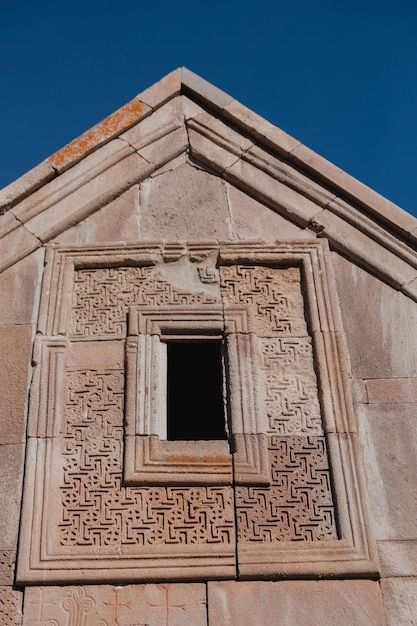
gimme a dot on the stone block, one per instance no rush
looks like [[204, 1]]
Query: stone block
[[142, 605], [266, 188], [11, 464], [167, 148], [10, 606], [165, 120], [214, 144], [379, 324], [358, 391], [388, 436], [400, 601], [25, 185], [261, 129], [15, 356], [377, 204], [358, 246], [8, 223], [117, 221], [102, 189], [69, 182], [204, 91], [391, 390], [279, 169], [304, 603], [168, 87], [185, 203], [16, 245], [20, 290], [398, 558], [267, 225]]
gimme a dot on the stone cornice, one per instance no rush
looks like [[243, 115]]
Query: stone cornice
[[228, 138]]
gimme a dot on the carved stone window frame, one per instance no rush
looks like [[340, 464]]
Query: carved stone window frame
[[352, 554], [149, 457]]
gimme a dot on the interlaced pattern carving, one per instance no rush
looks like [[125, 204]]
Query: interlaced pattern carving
[[102, 297], [97, 509], [10, 607], [273, 295], [299, 505], [289, 386]]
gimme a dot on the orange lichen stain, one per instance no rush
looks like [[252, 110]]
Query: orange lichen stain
[[204, 460], [110, 126]]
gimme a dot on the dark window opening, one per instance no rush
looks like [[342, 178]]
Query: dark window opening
[[195, 408]]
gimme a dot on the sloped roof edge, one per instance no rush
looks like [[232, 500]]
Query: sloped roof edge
[[183, 81]]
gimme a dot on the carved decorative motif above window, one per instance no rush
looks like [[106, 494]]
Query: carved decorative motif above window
[[134, 505]]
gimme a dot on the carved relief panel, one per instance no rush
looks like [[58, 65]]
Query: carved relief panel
[[111, 497]]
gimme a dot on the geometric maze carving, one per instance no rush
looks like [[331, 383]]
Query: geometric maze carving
[[273, 295], [298, 506], [289, 386], [97, 510], [102, 297]]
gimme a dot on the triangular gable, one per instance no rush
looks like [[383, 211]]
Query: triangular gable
[[184, 113]]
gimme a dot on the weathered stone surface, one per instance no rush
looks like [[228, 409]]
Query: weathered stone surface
[[376, 204], [290, 603], [117, 221], [15, 357], [400, 601], [266, 225], [203, 90], [185, 203], [391, 390], [358, 246], [166, 148], [139, 605], [260, 128], [20, 290], [388, 435], [165, 120], [379, 322], [25, 185], [111, 126], [398, 558], [168, 87], [72, 208], [92, 166], [215, 144], [11, 463], [10, 606], [85, 188], [7, 565], [17, 243], [274, 193]]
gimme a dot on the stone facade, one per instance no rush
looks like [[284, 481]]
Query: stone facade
[[186, 218]]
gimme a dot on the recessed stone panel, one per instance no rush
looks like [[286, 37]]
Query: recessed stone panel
[[293, 498]]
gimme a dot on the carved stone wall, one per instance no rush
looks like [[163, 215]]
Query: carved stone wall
[[88, 508]]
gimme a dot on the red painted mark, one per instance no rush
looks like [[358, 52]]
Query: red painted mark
[[116, 605]]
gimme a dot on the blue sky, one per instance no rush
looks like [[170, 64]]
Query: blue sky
[[339, 76]]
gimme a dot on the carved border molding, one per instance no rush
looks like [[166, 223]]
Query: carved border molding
[[43, 557]]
